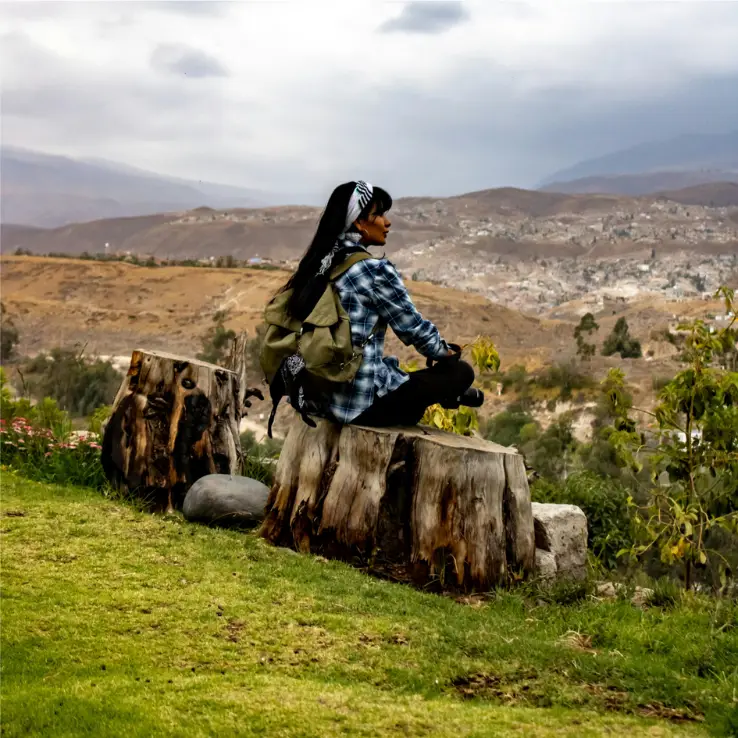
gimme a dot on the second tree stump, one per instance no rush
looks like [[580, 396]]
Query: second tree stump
[[415, 504], [174, 420]]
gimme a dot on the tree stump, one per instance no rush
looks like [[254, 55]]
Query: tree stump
[[415, 504], [174, 420]]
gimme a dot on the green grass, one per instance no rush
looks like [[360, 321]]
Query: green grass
[[119, 623]]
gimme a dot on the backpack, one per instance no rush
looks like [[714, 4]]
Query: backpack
[[323, 339]]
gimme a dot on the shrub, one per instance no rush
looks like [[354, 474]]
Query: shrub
[[515, 378], [604, 502], [217, 342], [587, 326], [9, 336], [78, 384], [567, 377], [38, 454], [259, 458], [550, 452], [506, 427], [693, 493], [621, 342], [98, 418]]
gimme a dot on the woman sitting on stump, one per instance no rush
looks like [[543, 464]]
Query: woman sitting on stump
[[374, 297]]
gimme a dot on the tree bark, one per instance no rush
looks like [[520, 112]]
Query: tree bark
[[174, 420], [415, 504]]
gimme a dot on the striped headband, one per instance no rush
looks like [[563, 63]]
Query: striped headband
[[360, 198]]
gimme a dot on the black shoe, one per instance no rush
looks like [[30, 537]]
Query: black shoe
[[473, 397]]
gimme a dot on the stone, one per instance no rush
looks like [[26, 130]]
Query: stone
[[562, 531], [545, 565], [226, 500]]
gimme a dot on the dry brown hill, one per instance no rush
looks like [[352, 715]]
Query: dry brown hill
[[282, 233], [715, 194], [113, 307]]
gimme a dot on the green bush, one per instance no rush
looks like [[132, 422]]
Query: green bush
[[515, 378], [506, 427], [259, 459], [78, 384], [604, 502], [217, 341], [621, 342], [565, 376], [9, 336], [551, 452], [38, 454]]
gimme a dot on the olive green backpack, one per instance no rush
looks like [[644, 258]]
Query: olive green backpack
[[323, 339]]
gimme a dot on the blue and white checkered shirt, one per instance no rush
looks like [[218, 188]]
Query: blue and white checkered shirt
[[372, 293]]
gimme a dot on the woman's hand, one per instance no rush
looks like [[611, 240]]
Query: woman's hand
[[454, 356]]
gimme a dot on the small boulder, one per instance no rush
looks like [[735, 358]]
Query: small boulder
[[545, 565], [562, 531], [222, 499]]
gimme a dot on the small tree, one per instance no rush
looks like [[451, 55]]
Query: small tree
[[550, 452], [587, 326], [693, 489], [621, 342], [463, 421], [78, 383], [8, 335], [217, 341]]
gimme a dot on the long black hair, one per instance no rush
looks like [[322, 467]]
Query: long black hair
[[306, 284]]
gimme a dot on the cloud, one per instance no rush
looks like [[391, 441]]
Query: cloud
[[184, 60], [187, 7], [427, 17], [506, 100]]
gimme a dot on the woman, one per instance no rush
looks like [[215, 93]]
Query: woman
[[374, 297]]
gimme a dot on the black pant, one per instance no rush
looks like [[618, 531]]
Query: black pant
[[443, 383]]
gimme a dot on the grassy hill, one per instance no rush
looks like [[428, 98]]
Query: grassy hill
[[118, 623]]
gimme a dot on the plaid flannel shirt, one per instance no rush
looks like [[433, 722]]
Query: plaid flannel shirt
[[372, 293]]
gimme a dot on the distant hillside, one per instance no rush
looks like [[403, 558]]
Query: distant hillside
[[716, 195], [643, 184], [44, 190], [115, 307], [660, 165], [503, 221]]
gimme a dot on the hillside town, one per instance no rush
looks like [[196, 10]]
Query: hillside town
[[537, 286]]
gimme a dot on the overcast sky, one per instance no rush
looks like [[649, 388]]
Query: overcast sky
[[423, 98]]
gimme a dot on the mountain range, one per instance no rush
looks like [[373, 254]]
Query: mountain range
[[656, 166], [48, 190]]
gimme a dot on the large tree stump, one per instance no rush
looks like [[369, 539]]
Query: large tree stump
[[174, 420], [415, 504]]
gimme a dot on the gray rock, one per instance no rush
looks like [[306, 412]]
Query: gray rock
[[222, 499], [545, 565], [562, 531]]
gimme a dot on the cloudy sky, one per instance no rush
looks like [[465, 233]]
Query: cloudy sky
[[421, 97]]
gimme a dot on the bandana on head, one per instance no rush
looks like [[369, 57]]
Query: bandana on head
[[360, 198]]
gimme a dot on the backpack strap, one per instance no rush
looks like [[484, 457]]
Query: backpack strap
[[348, 262]]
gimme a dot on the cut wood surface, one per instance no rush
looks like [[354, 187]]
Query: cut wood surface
[[413, 503], [174, 420]]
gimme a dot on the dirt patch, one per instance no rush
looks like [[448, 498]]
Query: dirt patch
[[616, 700], [234, 629], [522, 688], [525, 687]]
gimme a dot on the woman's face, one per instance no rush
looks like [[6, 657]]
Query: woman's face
[[374, 228]]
